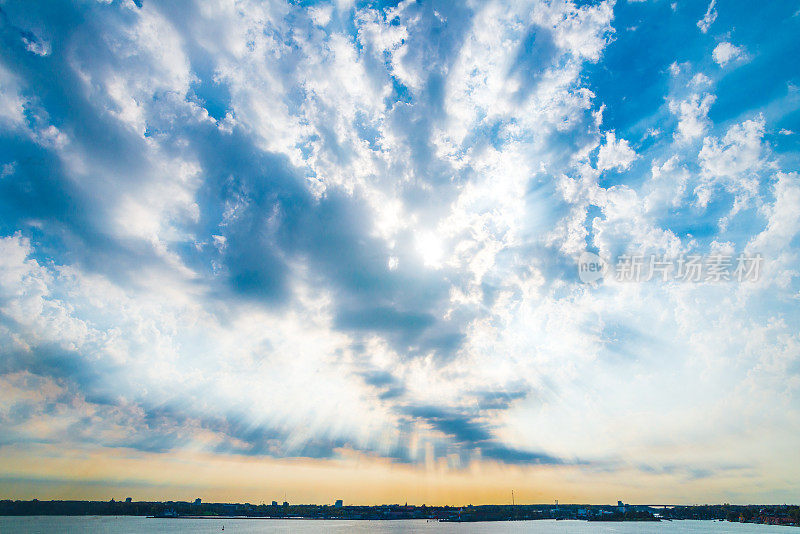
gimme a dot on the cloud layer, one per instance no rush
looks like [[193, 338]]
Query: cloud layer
[[285, 231]]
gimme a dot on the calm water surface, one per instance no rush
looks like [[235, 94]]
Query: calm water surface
[[124, 525]]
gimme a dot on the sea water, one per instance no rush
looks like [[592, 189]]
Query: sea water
[[129, 525]]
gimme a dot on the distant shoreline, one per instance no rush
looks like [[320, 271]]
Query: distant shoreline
[[787, 515]]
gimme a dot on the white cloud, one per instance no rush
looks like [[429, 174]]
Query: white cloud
[[733, 162], [8, 169], [708, 19], [700, 79], [783, 225], [583, 31], [726, 52], [321, 15], [615, 154], [667, 186], [12, 104], [693, 116]]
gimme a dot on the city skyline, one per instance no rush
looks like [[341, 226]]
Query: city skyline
[[410, 251]]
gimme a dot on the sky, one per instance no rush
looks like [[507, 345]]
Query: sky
[[329, 250]]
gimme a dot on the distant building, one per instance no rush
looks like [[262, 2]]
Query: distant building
[[197, 501], [339, 503]]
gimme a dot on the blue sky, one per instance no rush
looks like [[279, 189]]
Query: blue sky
[[346, 233]]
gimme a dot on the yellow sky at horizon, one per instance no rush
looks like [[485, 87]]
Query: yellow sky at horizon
[[45, 473]]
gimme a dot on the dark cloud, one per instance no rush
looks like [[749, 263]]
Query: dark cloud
[[498, 400], [389, 386], [472, 432]]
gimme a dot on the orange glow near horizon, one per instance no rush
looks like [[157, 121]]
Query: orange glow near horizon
[[358, 479]]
